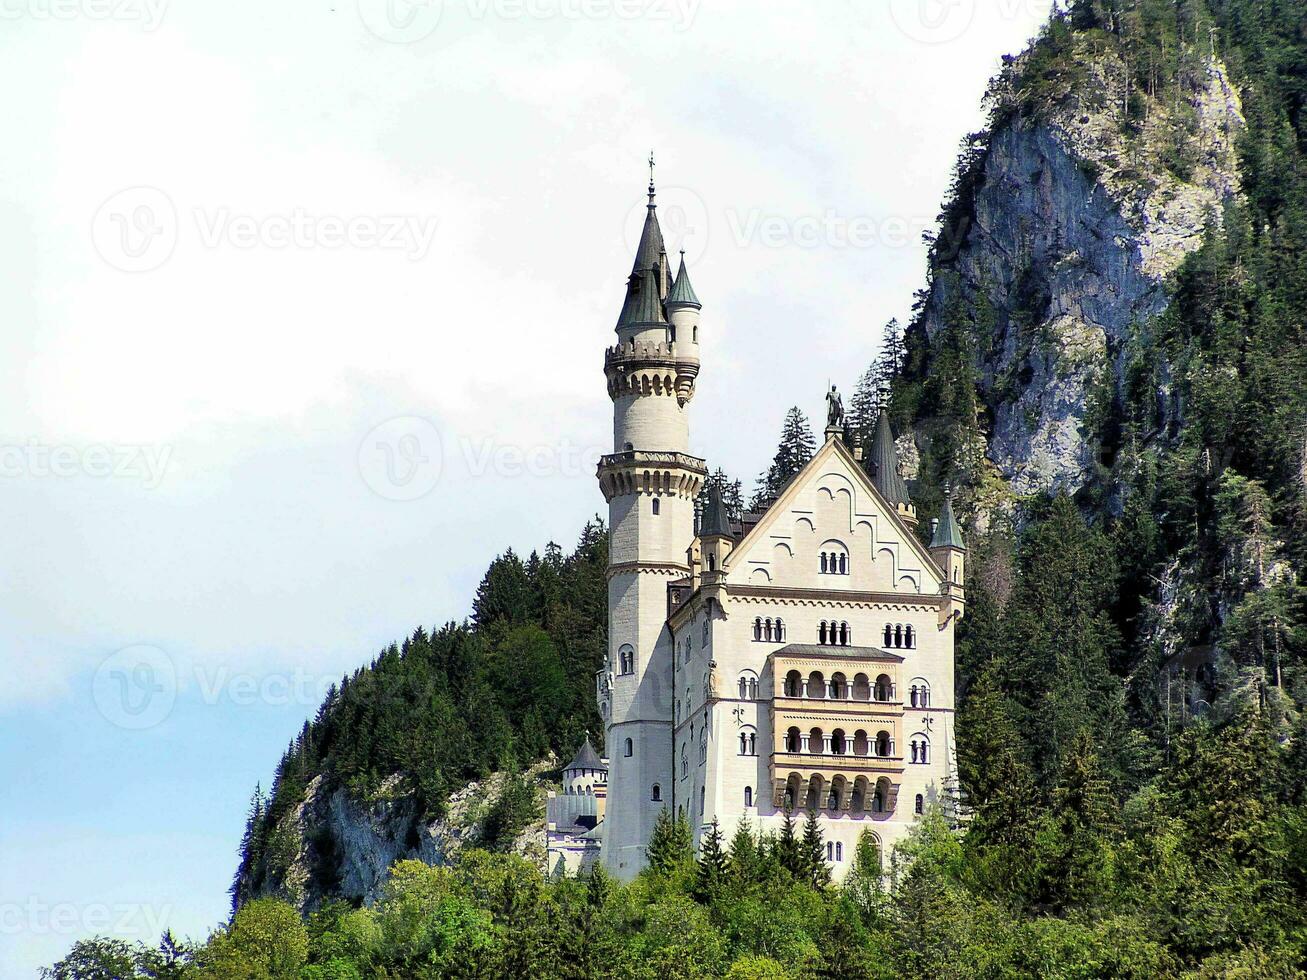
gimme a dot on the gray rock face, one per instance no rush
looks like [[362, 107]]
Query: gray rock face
[[1075, 225], [360, 841]]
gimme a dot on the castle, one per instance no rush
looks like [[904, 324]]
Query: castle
[[799, 659]]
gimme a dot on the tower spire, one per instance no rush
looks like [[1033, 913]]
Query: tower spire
[[651, 178]]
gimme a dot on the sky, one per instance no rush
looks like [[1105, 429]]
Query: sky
[[302, 315]]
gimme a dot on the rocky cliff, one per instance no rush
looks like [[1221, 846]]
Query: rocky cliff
[[1084, 195], [332, 845]]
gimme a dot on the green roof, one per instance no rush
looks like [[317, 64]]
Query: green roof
[[682, 292], [643, 304], [883, 464], [651, 247], [715, 518], [947, 532]]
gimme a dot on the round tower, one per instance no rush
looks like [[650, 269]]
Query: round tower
[[650, 482]]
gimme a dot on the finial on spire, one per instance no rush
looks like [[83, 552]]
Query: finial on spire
[[651, 178]]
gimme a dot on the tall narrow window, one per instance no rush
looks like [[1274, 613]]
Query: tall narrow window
[[630, 748], [780, 630], [757, 628], [844, 564], [703, 795], [656, 794], [823, 563], [748, 796], [655, 505], [920, 805]]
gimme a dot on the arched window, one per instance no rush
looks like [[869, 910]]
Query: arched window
[[685, 762], [919, 693], [744, 688], [830, 851], [748, 796], [844, 634], [656, 794], [780, 630], [920, 749], [703, 745], [792, 682], [630, 748], [792, 740], [823, 563], [753, 743], [821, 632], [909, 637], [748, 742], [920, 805], [655, 505], [626, 659], [705, 631], [898, 635], [767, 629], [839, 851], [844, 564], [889, 635], [712, 562], [757, 628]]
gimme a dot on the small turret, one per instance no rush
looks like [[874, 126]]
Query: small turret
[[949, 551], [683, 308], [884, 469], [715, 537]]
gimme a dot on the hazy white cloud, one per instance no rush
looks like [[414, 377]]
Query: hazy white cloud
[[326, 230]]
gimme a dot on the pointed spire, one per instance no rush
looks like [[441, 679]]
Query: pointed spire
[[716, 520], [947, 532], [651, 247], [884, 463], [682, 293], [643, 304]]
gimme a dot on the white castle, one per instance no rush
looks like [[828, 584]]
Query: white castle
[[801, 659]]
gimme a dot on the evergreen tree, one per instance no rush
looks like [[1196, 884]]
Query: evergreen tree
[[863, 408], [815, 870], [671, 847], [711, 873], [786, 847], [796, 447]]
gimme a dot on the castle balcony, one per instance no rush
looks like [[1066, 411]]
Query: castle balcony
[[650, 369], [649, 472], [857, 792]]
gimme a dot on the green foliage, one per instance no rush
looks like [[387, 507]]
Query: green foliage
[[796, 448], [447, 707]]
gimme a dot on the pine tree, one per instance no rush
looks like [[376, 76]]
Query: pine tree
[[796, 447], [670, 846], [813, 861], [744, 857], [888, 363], [786, 847], [711, 873], [863, 408]]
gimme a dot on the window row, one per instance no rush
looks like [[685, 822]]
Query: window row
[[834, 634], [860, 743], [748, 686], [834, 563], [626, 659], [899, 637], [839, 688], [834, 851], [838, 794], [769, 630]]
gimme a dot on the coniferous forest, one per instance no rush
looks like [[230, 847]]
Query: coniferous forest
[[1106, 826]]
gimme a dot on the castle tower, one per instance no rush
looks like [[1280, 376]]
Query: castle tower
[[650, 482]]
